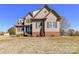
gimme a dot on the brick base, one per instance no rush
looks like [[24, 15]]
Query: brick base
[[35, 34], [52, 33]]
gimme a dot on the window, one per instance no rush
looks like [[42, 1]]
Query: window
[[27, 20], [55, 24], [38, 24], [18, 29], [18, 23], [49, 25], [22, 29], [45, 11]]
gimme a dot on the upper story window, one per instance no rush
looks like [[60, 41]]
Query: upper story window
[[45, 11], [28, 20], [18, 23]]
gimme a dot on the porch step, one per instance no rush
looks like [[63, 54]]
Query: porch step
[[27, 34]]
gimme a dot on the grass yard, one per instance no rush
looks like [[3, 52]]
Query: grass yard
[[47, 45]]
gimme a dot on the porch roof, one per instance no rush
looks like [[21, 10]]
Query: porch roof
[[19, 25], [38, 19], [27, 24]]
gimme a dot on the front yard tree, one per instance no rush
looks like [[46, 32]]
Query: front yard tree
[[64, 25], [11, 31]]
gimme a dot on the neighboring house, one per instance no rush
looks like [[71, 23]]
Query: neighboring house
[[42, 22], [4, 34]]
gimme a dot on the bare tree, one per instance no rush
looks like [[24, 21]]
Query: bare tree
[[77, 33], [71, 32], [64, 23], [64, 26]]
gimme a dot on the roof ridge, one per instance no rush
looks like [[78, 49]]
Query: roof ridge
[[30, 14], [55, 13]]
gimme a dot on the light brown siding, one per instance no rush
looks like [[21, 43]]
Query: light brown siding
[[42, 13], [28, 17], [51, 18], [19, 32]]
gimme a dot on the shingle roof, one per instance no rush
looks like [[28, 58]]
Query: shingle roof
[[30, 14], [49, 9]]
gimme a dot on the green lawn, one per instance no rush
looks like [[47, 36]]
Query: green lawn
[[39, 45]]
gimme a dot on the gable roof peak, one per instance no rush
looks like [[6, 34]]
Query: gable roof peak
[[30, 14], [27, 15], [47, 7]]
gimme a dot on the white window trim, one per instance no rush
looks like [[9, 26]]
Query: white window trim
[[55, 24], [38, 25], [51, 25]]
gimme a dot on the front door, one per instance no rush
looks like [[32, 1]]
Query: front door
[[42, 30]]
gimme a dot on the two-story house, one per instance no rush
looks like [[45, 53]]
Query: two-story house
[[42, 22]]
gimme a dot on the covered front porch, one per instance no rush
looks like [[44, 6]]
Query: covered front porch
[[28, 30], [38, 27]]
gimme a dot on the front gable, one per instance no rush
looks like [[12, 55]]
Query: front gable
[[42, 13], [46, 11], [27, 19], [28, 16], [19, 22], [51, 17]]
